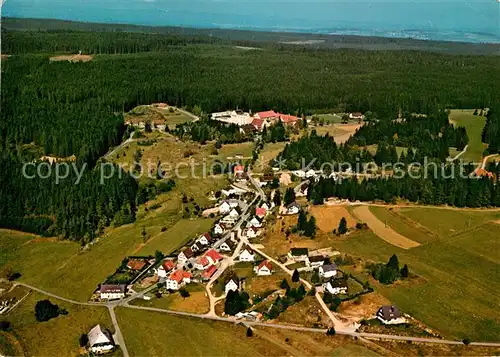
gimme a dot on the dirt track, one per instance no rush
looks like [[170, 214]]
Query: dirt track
[[383, 231]]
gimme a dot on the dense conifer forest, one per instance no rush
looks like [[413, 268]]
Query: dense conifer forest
[[64, 108]]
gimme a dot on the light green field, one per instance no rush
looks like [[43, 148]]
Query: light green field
[[446, 223], [457, 289], [231, 150], [58, 336], [56, 265], [329, 118], [155, 334], [474, 125], [174, 237], [405, 228]]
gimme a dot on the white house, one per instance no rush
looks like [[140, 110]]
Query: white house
[[299, 254], [336, 286], [196, 247], [224, 208], [264, 268], [219, 228], [112, 291], [233, 214], [293, 208], [390, 315], [177, 279], [327, 271], [100, 340], [251, 232], [204, 239], [233, 283], [300, 173], [247, 255], [227, 246], [316, 261], [254, 222], [185, 255], [229, 220], [266, 206], [356, 115]]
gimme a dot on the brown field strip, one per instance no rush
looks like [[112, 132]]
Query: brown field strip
[[383, 231], [328, 217]]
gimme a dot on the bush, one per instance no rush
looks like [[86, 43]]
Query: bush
[[14, 276], [466, 341], [83, 340], [4, 325], [45, 310], [249, 332]]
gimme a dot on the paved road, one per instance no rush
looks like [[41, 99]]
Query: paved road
[[118, 337], [119, 147], [286, 327], [460, 153]]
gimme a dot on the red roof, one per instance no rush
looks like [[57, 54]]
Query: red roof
[[209, 271], [259, 211], [203, 261], [135, 264], [239, 168], [207, 236], [213, 255], [180, 274], [257, 123], [288, 119], [267, 114], [265, 263], [168, 265]]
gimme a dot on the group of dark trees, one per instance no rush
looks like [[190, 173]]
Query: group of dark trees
[[292, 296], [491, 131], [63, 109], [235, 302], [456, 191], [390, 272], [45, 310], [304, 226]]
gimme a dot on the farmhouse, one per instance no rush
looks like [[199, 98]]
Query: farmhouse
[[266, 206], [299, 254], [327, 271], [213, 257], [254, 222], [270, 115], [288, 119], [166, 267], [251, 232], [204, 239], [264, 268], [234, 214], [224, 207], [197, 247], [112, 291], [336, 286], [136, 264], [233, 283], [356, 115], [183, 256], [247, 255], [209, 272], [177, 279], [201, 263], [219, 228], [316, 261], [293, 208], [227, 246], [100, 340], [390, 315]]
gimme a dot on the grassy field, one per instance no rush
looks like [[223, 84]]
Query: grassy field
[[474, 125], [352, 350], [156, 334], [196, 303], [58, 336], [55, 265], [404, 227], [457, 290], [444, 223]]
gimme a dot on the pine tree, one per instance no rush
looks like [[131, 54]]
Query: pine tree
[[289, 196], [311, 227], [404, 271], [295, 276], [393, 263], [302, 221], [249, 332], [277, 198], [284, 284], [342, 226]]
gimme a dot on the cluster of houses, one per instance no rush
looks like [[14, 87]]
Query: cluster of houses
[[333, 280], [254, 122]]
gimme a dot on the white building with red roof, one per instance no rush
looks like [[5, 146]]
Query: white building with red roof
[[268, 114], [288, 119], [264, 268], [177, 279], [260, 212], [209, 272], [201, 263]]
